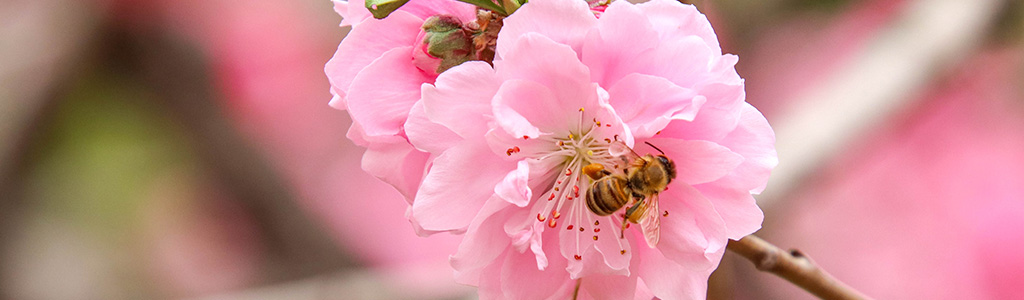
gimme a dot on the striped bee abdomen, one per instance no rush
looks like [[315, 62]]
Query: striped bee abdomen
[[608, 195]]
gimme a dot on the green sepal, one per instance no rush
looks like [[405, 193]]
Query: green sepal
[[383, 8]]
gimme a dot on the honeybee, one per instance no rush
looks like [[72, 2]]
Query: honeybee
[[638, 184]]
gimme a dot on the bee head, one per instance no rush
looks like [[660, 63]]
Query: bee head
[[669, 165]]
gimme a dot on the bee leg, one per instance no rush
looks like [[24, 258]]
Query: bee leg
[[622, 233]]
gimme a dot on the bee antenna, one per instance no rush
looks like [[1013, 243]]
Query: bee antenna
[[655, 148]]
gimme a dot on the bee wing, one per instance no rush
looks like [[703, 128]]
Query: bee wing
[[621, 150], [651, 222]]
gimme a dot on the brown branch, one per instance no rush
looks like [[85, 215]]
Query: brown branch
[[793, 266]]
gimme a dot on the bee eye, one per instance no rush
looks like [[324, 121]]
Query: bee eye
[[670, 167]]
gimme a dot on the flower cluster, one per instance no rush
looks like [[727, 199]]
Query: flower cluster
[[496, 148]]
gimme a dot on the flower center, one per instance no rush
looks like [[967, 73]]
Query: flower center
[[564, 202]]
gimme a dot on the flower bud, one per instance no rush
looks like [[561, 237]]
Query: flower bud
[[446, 40]]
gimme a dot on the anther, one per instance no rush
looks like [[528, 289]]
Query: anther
[[552, 223], [665, 214], [576, 190], [607, 125], [577, 257], [623, 252], [556, 214], [568, 172], [541, 217], [561, 143], [590, 152], [568, 227], [509, 151], [597, 223], [607, 140], [581, 109], [556, 188], [597, 229], [526, 137], [595, 237], [581, 229], [552, 197]]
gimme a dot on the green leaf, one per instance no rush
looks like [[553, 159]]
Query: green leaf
[[488, 5], [382, 8]]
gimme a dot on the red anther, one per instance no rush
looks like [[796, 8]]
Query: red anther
[[623, 252], [556, 188], [558, 182], [516, 149], [561, 143], [568, 172], [541, 218], [510, 151], [607, 140], [552, 223], [627, 225], [556, 214], [597, 229], [657, 133], [607, 125], [525, 137], [665, 214], [577, 257], [568, 197], [552, 197], [595, 237], [576, 190], [581, 229], [568, 227], [597, 223]]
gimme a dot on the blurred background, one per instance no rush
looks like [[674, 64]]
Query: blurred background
[[184, 150]]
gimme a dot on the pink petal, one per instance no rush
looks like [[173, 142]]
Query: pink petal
[[737, 207], [485, 240], [566, 22], [383, 93], [398, 164], [692, 230], [537, 58], [696, 161], [456, 187], [351, 12], [428, 136], [460, 99], [520, 279], [717, 117], [427, 8], [754, 139], [513, 187], [610, 287], [674, 20], [622, 33], [668, 279], [366, 43], [686, 62], [648, 103], [519, 102]]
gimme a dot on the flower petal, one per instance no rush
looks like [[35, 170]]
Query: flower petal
[[485, 240], [456, 187], [674, 20], [737, 207], [514, 187], [428, 136], [398, 164], [521, 280], [621, 34], [692, 230], [565, 22], [352, 12], [539, 59], [668, 279], [648, 103], [383, 94], [610, 287], [366, 43], [719, 115], [697, 161], [460, 99], [754, 139], [519, 103]]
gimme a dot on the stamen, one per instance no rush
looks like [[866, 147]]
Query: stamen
[[578, 257], [552, 223], [541, 218], [556, 214]]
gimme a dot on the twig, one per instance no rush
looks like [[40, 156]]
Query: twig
[[793, 266]]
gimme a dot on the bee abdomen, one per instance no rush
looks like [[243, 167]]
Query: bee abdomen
[[607, 195]]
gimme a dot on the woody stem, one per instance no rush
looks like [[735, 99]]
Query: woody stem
[[793, 266]]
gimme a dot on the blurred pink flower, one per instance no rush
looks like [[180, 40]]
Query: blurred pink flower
[[932, 201], [376, 75], [510, 142]]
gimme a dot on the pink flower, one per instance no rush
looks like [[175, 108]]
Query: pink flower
[[510, 143], [376, 75]]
